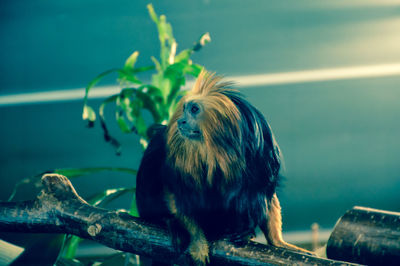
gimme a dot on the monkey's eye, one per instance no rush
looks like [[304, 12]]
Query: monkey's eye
[[194, 109]]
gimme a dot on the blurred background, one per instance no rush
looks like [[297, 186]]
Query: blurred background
[[326, 75]]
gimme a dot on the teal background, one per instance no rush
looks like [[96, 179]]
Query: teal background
[[340, 138]]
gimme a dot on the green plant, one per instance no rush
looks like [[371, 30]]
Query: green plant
[[159, 97]]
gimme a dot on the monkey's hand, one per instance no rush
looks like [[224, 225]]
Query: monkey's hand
[[199, 254], [194, 241], [198, 249], [198, 246]]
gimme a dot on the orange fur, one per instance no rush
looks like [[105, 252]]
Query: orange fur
[[220, 118]]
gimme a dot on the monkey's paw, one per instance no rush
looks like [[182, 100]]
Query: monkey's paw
[[199, 252]]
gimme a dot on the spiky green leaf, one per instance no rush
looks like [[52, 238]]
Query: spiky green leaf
[[152, 13], [183, 56], [194, 69], [103, 198], [122, 123], [71, 246], [134, 210], [77, 172], [130, 62], [96, 80]]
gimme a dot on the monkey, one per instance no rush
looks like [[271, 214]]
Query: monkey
[[212, 171]]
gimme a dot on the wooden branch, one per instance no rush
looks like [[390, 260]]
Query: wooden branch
[[366, 236], [59, 209]]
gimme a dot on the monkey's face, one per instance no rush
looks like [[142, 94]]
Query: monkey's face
[[211, 119], [205, 130], [206, 116], [188, 123]]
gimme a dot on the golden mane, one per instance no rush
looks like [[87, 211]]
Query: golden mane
[[220, 131]]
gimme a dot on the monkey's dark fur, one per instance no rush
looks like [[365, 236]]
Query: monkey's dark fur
[[213, 171]]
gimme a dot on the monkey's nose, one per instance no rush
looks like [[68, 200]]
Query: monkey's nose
[[181, 122]]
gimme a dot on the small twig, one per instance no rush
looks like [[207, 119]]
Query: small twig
[[59, 209]]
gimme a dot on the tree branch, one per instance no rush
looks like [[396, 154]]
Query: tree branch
[[59, 209]]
